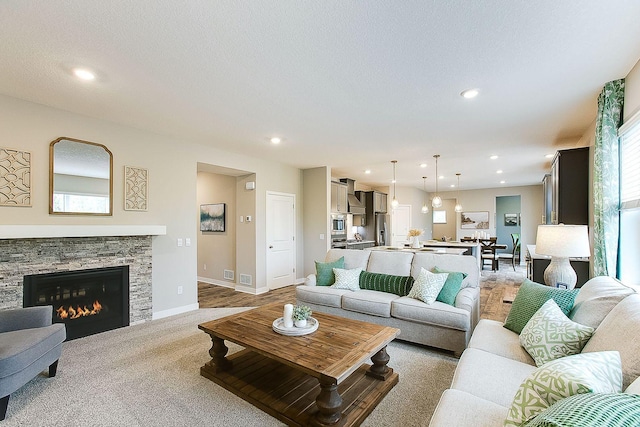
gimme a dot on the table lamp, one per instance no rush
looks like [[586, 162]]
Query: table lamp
[[561, 242]]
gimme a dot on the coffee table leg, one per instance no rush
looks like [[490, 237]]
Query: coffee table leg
[[329, 403], [218, 352], [379, 370]]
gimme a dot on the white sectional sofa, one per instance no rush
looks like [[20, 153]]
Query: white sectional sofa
[[438, 324], [494, 365]]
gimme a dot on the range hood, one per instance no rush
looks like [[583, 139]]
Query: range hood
[[354, 204]]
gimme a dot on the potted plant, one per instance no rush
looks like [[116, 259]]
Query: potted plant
[[300, 315]]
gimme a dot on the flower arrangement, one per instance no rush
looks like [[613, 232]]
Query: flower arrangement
[[301, 312], [414, 232]]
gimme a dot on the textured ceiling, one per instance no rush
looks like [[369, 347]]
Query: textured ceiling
[[347, 84]]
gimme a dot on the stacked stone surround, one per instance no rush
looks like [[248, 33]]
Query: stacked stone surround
[[21, 257]]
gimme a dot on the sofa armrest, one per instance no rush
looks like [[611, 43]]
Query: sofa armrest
[[25, 318], [310, 280], [466, 298]]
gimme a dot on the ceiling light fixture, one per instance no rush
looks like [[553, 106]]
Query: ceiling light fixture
[[367, 171], [436, 202], [469, 93], [494, 157], [499, 171], [423, 165], [394, 202], [425, 208], [458, 207], [549, 156], [502, 182], [275, 140], [84, 74]]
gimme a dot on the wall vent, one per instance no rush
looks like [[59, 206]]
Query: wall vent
[[229, 274], [245, 279]]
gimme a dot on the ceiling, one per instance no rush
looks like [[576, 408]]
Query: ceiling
[[347, 84]]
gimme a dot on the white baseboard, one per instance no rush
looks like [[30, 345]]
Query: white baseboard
[[216, 282], [250, 290], [174, 311]]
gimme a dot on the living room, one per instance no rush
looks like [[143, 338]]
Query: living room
[[48, 105]]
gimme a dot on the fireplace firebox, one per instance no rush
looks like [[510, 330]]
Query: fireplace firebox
[[86, 301]]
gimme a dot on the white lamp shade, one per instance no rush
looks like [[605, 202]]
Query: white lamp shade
[[563, 241]]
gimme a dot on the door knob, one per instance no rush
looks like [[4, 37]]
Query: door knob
[[270, 246]]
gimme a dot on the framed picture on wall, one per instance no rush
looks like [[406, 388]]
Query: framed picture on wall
[[213, 217], [475, 220], [439, 217], [510, 220]]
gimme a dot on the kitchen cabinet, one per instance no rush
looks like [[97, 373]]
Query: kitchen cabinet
[[569, 187], [338, 197], [379, 202], [547, 194]]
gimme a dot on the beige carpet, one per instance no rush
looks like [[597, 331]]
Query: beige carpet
[[148, 375]]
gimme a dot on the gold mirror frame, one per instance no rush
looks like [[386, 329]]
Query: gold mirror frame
[[52, 211]]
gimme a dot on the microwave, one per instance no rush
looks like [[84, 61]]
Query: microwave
[[338, 224]]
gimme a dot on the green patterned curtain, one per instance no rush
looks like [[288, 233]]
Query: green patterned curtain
[[606, 181]]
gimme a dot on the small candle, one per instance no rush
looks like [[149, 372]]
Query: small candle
[[288, 316]]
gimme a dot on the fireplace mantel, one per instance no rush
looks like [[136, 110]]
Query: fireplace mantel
[[57, 231]]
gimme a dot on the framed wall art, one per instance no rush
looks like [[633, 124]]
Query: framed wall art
[[15, 177], [510, 220], [213, 217], [136, 188], [475, 220]]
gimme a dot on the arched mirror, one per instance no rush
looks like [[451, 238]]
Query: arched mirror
[[80, 178]]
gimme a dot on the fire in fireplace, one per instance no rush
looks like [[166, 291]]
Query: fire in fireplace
[[86, 301]]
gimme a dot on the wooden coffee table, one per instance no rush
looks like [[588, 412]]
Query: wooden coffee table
[[317, 379]]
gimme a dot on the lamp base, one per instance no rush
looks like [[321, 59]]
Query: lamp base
[[560, 271]]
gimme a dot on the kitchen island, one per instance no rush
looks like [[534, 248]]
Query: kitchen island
[[457, 248], [450, 251]]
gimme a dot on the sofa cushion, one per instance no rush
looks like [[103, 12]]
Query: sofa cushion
[[550, 335], [438, 313], [451, 287], [20, 348], [394, 263], [352, 258], [321, 295], [591, 409], [457, 408], [491, 336], [618, 331], [596, 299], [634, 387], [369, 302], [490, 377], [561, 378], [427, 286], [347, 279], [399, 285], [530, 298], [447, 262], [324, 271]]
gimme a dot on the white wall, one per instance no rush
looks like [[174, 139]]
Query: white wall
[[317, 204], [172, 164]]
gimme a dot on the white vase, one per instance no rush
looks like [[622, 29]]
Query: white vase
[[300, 323], [416, 242]]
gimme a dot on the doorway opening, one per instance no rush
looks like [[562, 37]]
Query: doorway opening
[[508, 221]]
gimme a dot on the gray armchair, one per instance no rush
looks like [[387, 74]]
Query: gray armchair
[[29, 343]]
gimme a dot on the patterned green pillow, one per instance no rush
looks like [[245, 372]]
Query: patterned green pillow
[[399, 285], [427, 286], [599, 372], [550, 335], [324, 272], [591, 410], [451, 287], [530, 298]]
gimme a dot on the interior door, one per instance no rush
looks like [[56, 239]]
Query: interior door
[[281, 244], [400, 224]]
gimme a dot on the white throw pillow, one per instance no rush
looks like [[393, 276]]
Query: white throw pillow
[[427, 286], [581, 373], [550, 334], [347, 279]]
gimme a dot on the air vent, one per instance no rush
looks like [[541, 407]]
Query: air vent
[[245, 279], [229, 274]]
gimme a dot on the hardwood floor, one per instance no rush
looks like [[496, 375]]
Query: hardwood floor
[[497, 290]]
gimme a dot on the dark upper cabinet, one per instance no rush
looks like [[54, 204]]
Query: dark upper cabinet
[[569, 188]]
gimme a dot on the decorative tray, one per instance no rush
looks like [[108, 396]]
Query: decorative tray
[[278, 326]]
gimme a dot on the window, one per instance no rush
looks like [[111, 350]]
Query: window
[[629, 268], [65, 202]]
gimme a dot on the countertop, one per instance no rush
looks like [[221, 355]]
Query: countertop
[[450, 251], [355, 242]]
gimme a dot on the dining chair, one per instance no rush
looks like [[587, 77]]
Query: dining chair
[[488, 252]]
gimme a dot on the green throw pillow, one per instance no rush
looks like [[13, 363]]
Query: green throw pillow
[[591, 410], [399, 285], [599, 372], [530, 298], [451, 287], [324, 272]]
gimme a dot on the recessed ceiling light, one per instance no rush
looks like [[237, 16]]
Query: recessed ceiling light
[[368, 171], [393, 181], [275, 140], [452, 186], [441, 177], [469, 93], [502, 182], [494, 157], [549, 156], [423, 165], [499, 171], [84, 74]]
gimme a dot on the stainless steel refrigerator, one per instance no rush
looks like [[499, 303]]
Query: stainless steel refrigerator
[[383, 236]]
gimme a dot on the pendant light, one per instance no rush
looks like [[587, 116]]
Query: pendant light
[[458, 207], [425, 208], [394, 202], [436, 202]]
